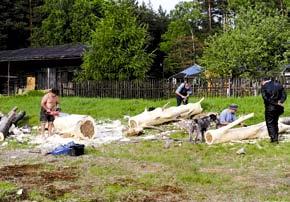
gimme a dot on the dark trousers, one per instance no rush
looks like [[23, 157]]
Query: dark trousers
[[181, 100], [272, 113]]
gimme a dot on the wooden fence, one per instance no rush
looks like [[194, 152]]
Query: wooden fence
[[160, 88], [117, 89]]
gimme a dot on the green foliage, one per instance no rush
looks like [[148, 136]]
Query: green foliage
[[14, 24], [67, 21], [253, 47], [157, 23], [280, 5], [118, 47], [179, 42]]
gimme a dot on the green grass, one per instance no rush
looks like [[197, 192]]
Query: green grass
[[146, 171], [109, 108]]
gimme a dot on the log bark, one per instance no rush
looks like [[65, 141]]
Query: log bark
[[18, 117], [227, 133], [6, 122], [163, 115], [74, 125]]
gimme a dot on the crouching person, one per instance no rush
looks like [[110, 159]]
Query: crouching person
[[49, 110]]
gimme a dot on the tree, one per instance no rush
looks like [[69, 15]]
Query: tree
[[157, 23], [14, 24], [67, 21], [253, 47], [180, 42], [118, 47]]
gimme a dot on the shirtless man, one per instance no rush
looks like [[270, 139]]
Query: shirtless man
[[48, 110]]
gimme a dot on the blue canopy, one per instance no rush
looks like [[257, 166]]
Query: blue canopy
[[188, 72]]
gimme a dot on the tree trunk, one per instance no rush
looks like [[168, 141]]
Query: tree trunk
[[227, 133], [162, 115], [74, 125], [209, 15], [6, 122]]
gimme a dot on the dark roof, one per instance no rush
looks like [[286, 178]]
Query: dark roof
[[67, 51]]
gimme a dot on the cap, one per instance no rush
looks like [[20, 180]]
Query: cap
[[233, 106]]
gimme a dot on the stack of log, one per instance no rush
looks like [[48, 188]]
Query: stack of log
[[160, 115], [7, 120]]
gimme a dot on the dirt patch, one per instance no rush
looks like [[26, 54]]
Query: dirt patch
[[168, 188], [13, 196], [124, 182], [161, 193], [53, 192], [37, 176]]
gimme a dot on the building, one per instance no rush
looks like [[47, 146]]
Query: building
[[38, 68]]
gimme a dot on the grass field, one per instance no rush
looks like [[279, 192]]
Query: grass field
[[145, 171]]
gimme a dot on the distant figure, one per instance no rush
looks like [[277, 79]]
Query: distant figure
[[228, 115], [49, 109], [182, 93], [274, 96]]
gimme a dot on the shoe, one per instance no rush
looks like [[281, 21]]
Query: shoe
[[274, 141]]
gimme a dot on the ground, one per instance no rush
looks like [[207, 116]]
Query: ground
[[146, 171]]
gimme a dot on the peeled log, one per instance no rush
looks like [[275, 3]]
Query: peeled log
[[74, 125], [227, 134], [6, 122], [163, 115]]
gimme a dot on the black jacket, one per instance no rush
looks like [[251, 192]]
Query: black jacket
[[272, 92]]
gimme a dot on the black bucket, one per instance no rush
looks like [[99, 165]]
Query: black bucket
[[77, 150]]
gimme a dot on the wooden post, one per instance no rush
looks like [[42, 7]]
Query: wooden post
[[8, 79]]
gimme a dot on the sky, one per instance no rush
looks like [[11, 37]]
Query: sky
[[166, 4]]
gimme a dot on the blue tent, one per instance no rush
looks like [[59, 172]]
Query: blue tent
[[188, 72]]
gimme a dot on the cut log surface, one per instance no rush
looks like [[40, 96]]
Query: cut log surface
[[6, 122], [163, 115], [74, 125], [227, 133]]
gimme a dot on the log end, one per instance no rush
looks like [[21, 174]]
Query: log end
[[2, 137], [132, 123], [87, 129], [133, 131], [208, 137]]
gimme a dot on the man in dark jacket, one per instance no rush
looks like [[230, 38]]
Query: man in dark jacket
[[182, 93], [274, 96]]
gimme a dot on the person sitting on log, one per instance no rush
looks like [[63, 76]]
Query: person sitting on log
[[49, 109], [182, 93]]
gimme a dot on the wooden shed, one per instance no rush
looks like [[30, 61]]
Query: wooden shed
[[38, 68]]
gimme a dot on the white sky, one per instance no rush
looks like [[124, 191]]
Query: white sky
[[166, 4]]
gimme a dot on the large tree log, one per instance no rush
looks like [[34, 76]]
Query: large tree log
[[227, 133], [163, 115], [74, 125], [6, 122]]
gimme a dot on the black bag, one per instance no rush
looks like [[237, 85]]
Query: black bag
[[77, 150]]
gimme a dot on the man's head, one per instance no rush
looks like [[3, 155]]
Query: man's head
[[54, 91], [266, 79], [233, 108], [186, 84]]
